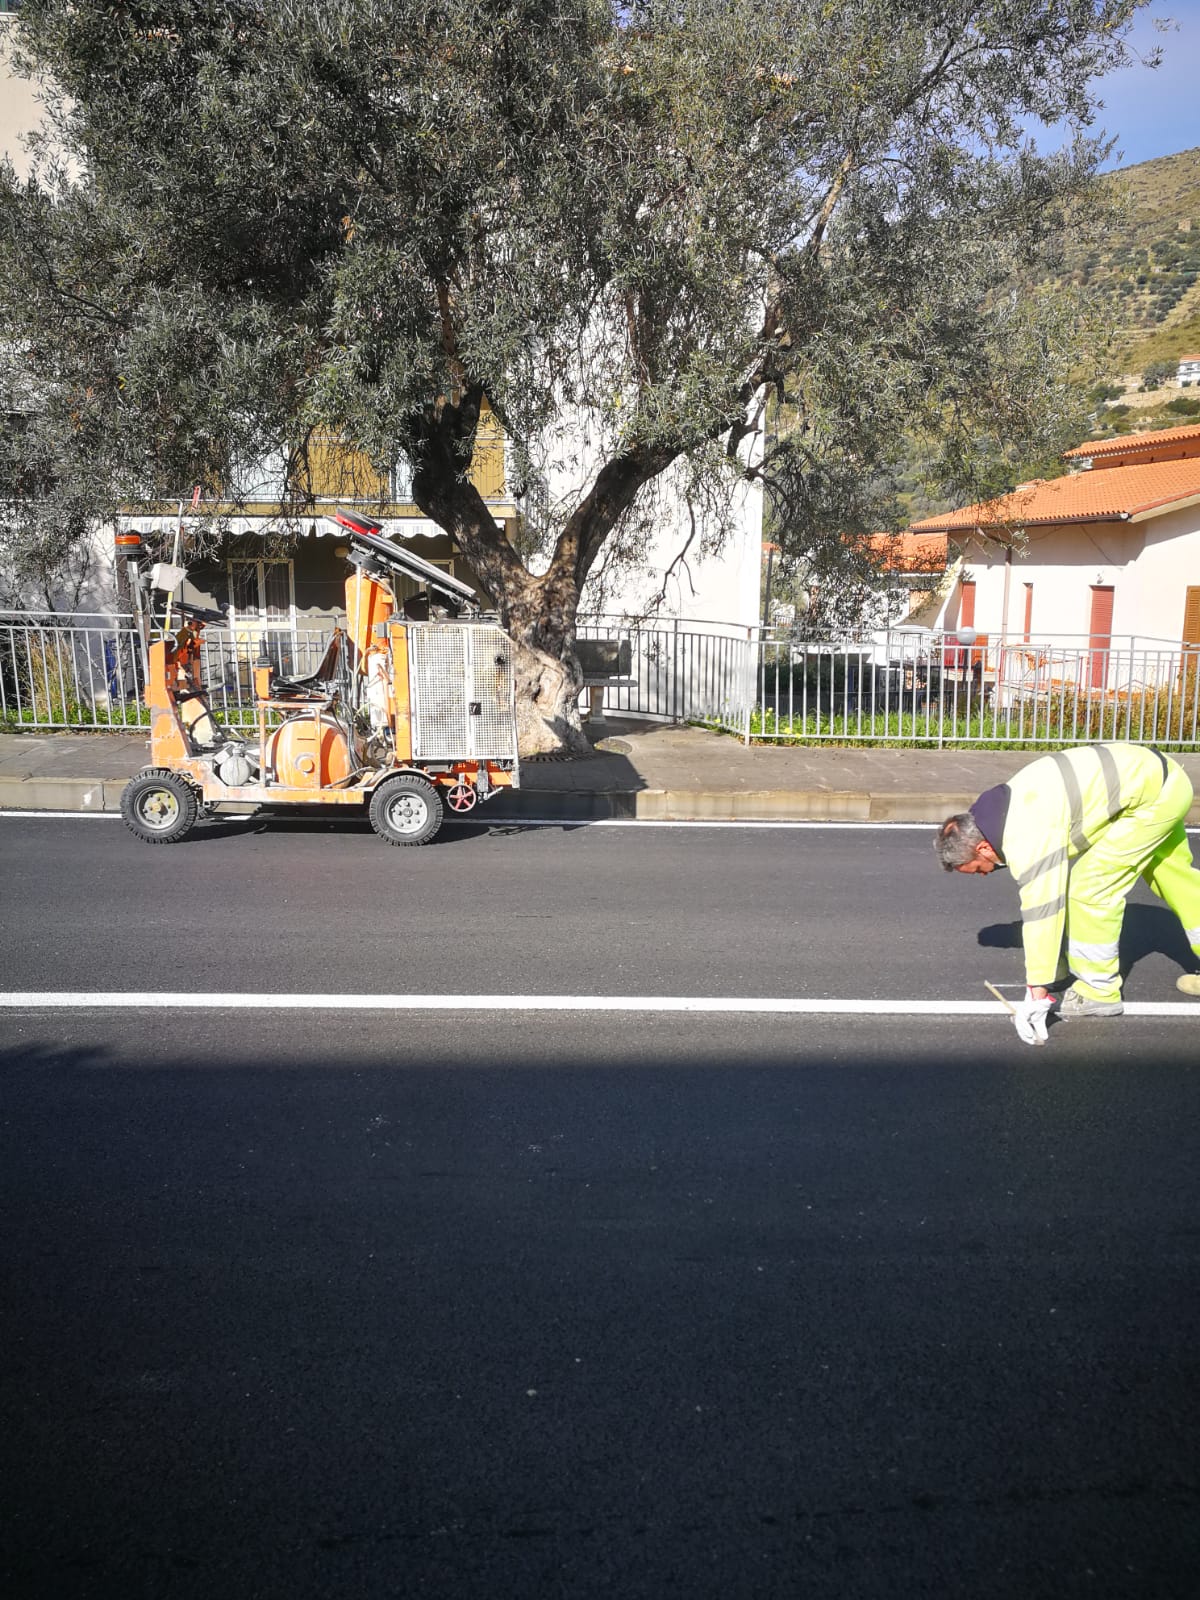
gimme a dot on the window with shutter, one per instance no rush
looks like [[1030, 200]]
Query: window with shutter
[[1191, 617]]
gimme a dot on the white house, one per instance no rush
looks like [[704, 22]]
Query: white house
[[20, 107], [1189, 369], [1111, 550]]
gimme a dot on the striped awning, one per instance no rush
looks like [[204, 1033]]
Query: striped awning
[[318, 526]]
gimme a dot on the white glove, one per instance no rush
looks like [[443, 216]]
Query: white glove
[[1029, 1019]]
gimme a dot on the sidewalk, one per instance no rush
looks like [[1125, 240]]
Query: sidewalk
[[638, 769]]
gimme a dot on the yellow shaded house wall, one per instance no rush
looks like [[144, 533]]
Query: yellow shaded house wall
[[339, 471], [487, 464], [333, 470]]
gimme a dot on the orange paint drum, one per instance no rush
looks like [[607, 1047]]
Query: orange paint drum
[[308, 753]]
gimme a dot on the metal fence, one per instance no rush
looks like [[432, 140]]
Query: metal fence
[[903, 686], [929, 688], [908, 685], [81, 671], [679, 671], [87, 670]]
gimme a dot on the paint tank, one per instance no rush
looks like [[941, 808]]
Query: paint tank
[[309, 753]]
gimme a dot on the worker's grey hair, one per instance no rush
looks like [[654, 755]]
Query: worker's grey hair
[[957, 840]]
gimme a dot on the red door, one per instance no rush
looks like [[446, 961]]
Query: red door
[[1100, 631], [1191, 639]]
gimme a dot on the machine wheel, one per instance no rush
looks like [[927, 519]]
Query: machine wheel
[[406, 810], [159, 807]]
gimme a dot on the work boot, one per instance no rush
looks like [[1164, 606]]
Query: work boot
[[1189, 983], [1078, 1005]]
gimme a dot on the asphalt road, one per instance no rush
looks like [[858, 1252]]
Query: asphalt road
[[520, 1304]]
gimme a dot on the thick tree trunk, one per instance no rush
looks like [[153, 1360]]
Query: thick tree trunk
[[537, 612], [540, 618]]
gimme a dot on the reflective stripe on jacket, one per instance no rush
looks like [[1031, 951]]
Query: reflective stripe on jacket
[[1059, 805]]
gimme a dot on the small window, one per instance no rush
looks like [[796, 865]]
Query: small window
[[262, 592], [401, 484]]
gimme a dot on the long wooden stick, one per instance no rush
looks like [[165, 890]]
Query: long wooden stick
[[1008, 1006]]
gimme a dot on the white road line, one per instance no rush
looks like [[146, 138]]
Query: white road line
[[63, 816], [476, 821], [656, 822], [547, 822], [84, 1000]]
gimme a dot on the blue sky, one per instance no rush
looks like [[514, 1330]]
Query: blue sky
[[1155, 113]]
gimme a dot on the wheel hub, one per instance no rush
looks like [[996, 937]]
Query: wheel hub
[[408, 813], [159, 808]]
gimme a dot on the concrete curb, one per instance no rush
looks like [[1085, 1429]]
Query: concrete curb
[[61, 794], [654, 805], [657, 805]]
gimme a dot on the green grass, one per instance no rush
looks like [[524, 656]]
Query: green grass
[[1148, 719], [75, 718]]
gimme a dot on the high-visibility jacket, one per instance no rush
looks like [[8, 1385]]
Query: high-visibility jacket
[[1051, 812]]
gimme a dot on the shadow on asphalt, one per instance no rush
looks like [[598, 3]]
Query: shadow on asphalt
[[396, 1312], [620, 775], [1146, 931], [341, 820]]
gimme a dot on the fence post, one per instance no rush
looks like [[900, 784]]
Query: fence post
[[675, 689], [751, 680]]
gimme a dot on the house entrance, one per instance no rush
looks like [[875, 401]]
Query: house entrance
[[1191, 640]]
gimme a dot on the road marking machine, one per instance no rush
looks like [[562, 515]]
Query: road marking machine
[[404, 715]]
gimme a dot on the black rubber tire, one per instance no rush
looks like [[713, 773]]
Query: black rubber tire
[[159, 807], [406, 810]]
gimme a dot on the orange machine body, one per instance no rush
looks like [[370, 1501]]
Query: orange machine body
[[369, 606], [329, 739]]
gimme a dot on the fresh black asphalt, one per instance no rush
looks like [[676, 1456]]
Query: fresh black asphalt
[[294, 905], [391, 1304]]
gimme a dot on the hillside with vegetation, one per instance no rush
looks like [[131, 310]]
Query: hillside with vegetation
[[1142, 279], [1145, 275]]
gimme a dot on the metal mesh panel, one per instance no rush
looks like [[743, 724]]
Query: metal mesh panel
[[462, 692]]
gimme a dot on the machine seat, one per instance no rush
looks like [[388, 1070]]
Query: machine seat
[[318, 685]]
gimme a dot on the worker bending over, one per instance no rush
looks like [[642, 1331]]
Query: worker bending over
[[1076, 830]]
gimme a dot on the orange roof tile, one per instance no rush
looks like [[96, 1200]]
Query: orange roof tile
[[911, 552], [1081, 497], [1152, 440]]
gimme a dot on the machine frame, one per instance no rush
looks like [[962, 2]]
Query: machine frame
[[345, 734]]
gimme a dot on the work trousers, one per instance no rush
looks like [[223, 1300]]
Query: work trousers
[[1148, 841]]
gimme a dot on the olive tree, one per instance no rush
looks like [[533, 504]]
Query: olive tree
[[757, 238]]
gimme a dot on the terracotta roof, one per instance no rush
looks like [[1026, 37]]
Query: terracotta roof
[[911, 552], [1081, 497], [1125, 442]]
